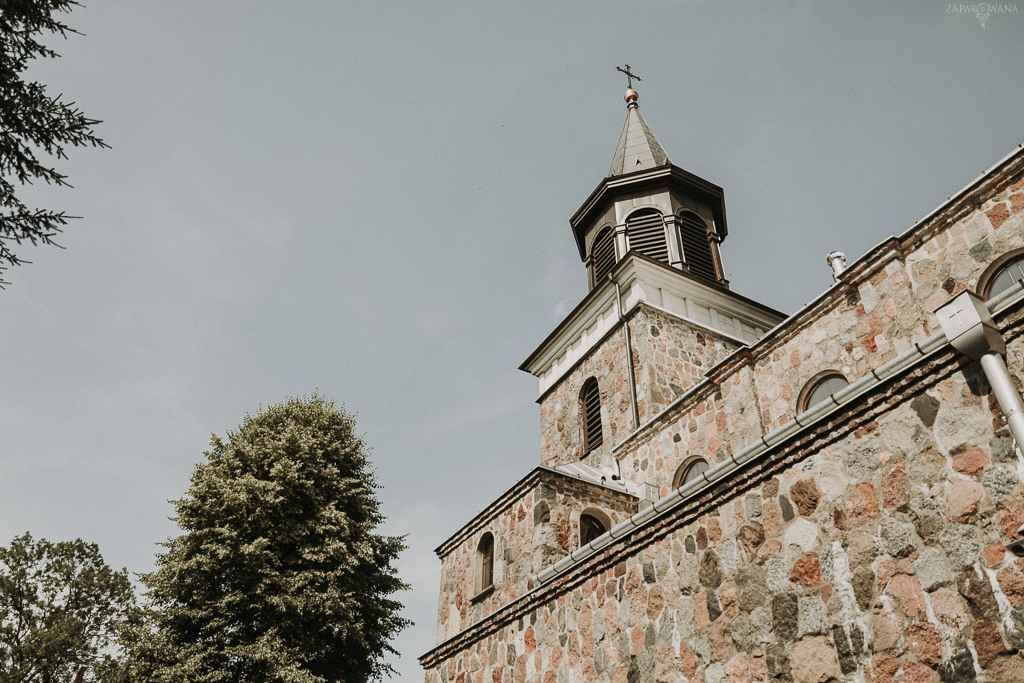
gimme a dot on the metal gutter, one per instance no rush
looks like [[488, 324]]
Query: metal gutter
[[800, 423]]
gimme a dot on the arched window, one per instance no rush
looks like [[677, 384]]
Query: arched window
[[1002, 274], [590, 409], [485, 562], [645, 231], [541, 512], [593, 523], [693, 232], [603, 253], [820, 388], [689, 470]]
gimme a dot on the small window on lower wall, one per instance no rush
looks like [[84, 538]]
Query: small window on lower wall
[[484, 563], [688, 471], [593, 524], [820, 388]]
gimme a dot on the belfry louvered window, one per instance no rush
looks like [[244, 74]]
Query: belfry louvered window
[[590, 401], [646, 233], [697, 246], [603, 252]]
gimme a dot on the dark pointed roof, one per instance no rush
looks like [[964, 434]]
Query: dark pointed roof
[[638, 149]]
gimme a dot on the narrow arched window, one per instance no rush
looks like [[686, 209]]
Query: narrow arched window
[[1002, 275], [820, 388], [603, 253], [590, 404], [688, 471], [541, 512], [593, 523], [485, 562], [645, 231], [697, 255]]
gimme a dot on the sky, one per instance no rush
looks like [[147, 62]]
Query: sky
[[371, 200]]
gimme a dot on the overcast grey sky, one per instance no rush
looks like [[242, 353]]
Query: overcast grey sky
[[372, 199]]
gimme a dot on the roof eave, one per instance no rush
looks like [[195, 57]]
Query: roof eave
[[671, 174]]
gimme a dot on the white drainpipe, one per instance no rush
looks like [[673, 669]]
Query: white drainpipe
[[969, 327]]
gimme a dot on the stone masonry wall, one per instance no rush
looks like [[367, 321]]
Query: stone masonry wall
[[867, 552], [891, 306], [670, 357], [525, 541], [883, 313], [561, 428]]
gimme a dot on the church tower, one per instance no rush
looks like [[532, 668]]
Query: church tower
[[659, 314]]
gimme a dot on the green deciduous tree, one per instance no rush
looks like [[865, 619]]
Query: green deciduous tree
[[279, 574], [61, 607], [32, 124]]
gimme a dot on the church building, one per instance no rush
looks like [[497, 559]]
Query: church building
[[728, 493]]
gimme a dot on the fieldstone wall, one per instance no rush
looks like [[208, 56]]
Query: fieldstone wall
[[538, 527], [561, 422], [863, 553], [670, 356], [881, 312], [888, 303]]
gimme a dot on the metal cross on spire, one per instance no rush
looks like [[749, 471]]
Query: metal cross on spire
[[629, 75]]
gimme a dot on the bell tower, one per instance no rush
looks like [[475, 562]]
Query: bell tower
[[650, 206], [659, 314]]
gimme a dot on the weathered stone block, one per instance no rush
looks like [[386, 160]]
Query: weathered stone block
[[849, 642], [924, 642], [926, 408], [898, 538], [861, 461], [958, 667], [814, 660], [932, 569], [710, 574], [811, 618], [785, 612], [961, 544], [1000, 482], [927, 466], [805, 496], [988, 642]]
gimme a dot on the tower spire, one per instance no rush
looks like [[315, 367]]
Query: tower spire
[[638, 149]]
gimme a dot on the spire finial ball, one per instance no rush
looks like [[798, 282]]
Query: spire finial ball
[[631, 96]]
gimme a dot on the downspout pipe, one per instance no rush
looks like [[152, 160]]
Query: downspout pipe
[[629, 354], [970, 329]]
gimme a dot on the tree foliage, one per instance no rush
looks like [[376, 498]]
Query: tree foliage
[[33, 124], [279, 574], [61, 607]]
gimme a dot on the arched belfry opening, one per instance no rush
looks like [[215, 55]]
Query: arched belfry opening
[[698, 246], [602, 255], [645, 233]]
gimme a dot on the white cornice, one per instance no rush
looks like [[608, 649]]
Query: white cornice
[[644, 281]]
